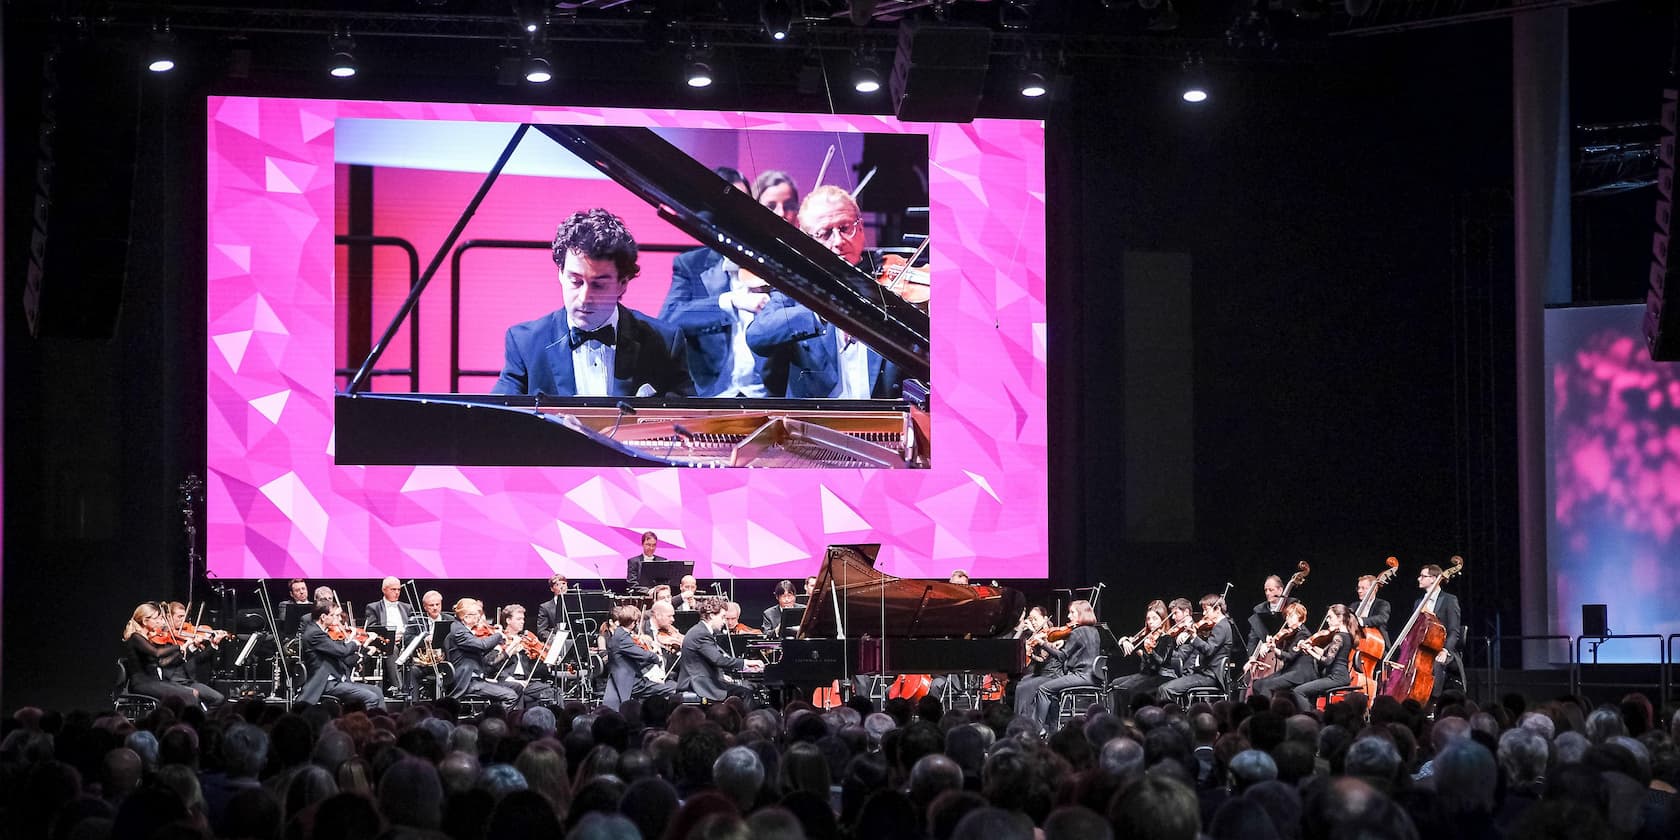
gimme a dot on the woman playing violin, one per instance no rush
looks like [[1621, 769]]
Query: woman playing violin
[[1154, 644], [1305, 660], [156, 660], [1036, 696]]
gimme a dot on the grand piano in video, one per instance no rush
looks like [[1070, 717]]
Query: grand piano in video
[[861, 621], [384, 428]]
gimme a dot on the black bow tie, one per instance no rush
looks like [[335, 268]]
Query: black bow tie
[[603, 334]]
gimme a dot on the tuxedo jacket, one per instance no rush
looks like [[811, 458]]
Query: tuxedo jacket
[[538, 358], [374, 616], [803, 351], [1257, 631], [1378, 617], [550, 614], [326, 659], [698, 282], [627, 664], [467, 654], [1080, 652], [1447, 610], [703, 663]]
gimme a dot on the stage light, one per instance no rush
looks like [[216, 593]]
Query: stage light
[[342, 64], [537, 70], [698, 74], [160, 55], [777, 17], [1033, 84], [866, 76], [1194, 87]]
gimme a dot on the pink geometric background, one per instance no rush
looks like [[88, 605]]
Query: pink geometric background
[[278, 505]]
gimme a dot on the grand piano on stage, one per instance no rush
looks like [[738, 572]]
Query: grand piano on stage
[[860, 621], [389, 428]]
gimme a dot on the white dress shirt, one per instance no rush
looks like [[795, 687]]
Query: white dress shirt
[[592, 363]]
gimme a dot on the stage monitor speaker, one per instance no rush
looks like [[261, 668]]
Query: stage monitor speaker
[[1662, 323], [939, 72], [84, 188], [1595, 620]]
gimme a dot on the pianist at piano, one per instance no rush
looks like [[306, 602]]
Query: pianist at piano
[[595, 346], [805, 351], [703, 668]]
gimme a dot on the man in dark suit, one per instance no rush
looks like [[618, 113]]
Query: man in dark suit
[[392, 614], [703, 663], [554, 612], [595, 346], [628, 663], [1444, 604], [467, 652], [786, 598], [1204, 657], [330, 661], [1267, 616], [807, 356], [633, 564], [1380, 610]]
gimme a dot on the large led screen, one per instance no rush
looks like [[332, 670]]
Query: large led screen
[[1613, 438], [281, 503]]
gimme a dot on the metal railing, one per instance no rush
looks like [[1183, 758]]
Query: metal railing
[[1663, 654], [1494, 658], [413, 369]]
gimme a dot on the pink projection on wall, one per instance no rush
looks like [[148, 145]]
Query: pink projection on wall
[[279, 506]]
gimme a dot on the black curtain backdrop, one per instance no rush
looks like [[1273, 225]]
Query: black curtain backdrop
[[1318, 205]]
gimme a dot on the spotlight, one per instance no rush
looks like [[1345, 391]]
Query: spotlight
[[777, 17], [866, 77], [698, 74], [160, 55], [1195, 87], [1033, 84], [537, 70], [342, 65]]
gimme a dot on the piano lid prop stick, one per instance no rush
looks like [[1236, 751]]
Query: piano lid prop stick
[[824, 170], [834, 598]]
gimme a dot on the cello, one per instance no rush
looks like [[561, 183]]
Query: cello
[[1369, 646], [1421, 641]]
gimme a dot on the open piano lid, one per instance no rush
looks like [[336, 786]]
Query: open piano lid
[[695, 199], [875, 604]]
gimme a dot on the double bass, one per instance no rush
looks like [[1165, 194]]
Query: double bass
[[1369, 647], [1413, 660]]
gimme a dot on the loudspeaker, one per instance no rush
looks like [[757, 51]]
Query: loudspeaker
[[1662, 323], [84, 188], [1595, 620], [939, 72]]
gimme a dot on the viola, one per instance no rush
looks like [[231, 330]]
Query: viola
[[643, 642], [342, 633], [902, 279]]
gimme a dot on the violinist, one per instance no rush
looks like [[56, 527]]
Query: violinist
[[1331, 650], [665, 632], [1203, 650], [630, 657], [1284, 639], [807, 357], [155, 657], [329, 654], [732, 620], [470, 641], [200, 643], [1154, 645], [520, 658], [1036, 697]]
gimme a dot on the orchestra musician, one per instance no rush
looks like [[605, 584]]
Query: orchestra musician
[[1332, 656], [595, 346], [703, 665], [392, 613], [732, 621], [1380, 609], [553, 612], [1445, 606], [431, 604], [298, 589], [633, 565], [470, 641], [155, 660], [514, 664], [810, 588], [1154, 646], [629, 659], [665, 632], [807, 356], [687, 593], [786, 598], [775, 190], [297, 592], [1270, 607], [1202, 651], [1283, 644], [1036, 697], [329, 655]]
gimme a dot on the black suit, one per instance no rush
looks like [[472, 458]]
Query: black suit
[[1378, 617], [1451, 618], [538, 358], [466, 654], [1208, 656], [329, 663], [374, 616], [1260, 617], [551, 614], [1035, 696], [703, 664], [627, 665], [156, 671]]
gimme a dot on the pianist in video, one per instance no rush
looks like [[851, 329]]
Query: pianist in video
[[595, 346]]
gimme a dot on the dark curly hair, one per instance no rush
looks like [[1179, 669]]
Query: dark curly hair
[[598, 235]]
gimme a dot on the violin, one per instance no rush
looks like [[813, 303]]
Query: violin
[[534, 647], [484, 630], [161, 637], [341, 633], [902, 279]]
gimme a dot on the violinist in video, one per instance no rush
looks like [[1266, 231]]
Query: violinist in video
[[330, 653], [807, 356], [1202, 650], [156, 659], [1154, 646]]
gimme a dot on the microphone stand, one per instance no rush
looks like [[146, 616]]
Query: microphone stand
[[285, 676]]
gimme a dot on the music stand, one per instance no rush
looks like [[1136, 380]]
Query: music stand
[[292, 616], [685, 620], [792, 617], [668, 572]]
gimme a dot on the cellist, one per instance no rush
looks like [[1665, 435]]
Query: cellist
[[1444, 605]]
